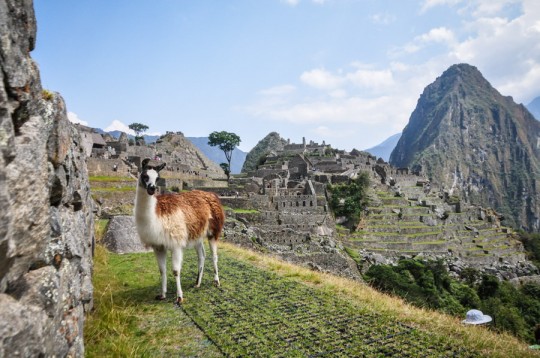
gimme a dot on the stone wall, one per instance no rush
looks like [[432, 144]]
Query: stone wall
[[100, 166], [46, 222]]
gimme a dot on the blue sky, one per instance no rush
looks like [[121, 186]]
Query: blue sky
[[348, 72]]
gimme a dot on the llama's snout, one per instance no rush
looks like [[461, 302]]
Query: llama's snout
[[151, 189]]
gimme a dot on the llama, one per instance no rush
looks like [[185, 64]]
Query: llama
[[174, 222]]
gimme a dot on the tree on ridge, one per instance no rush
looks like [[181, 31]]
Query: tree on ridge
[[225, 141]]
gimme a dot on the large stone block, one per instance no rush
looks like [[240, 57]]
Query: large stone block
[[122, 236]]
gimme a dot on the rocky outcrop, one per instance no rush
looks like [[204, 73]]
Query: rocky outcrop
[[317, 251], [182, 155], [122, 236], [477, 144], [271, 143], [46, 221]]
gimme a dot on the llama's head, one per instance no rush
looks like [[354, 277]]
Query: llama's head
[[149, 176]]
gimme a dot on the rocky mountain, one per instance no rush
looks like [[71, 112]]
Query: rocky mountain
[[181, 154], [215, 154], [477, 144], [46, 211], [116, 134], [534, 108], [271, 143], [384, 149]]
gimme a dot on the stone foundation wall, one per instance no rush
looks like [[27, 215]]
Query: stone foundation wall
[[46, 221]]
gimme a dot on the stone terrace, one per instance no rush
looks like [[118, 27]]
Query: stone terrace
[[408, 221]]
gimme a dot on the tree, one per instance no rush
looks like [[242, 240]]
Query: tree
[[349, 200], [226, 169], [226, 142], [138, 128]]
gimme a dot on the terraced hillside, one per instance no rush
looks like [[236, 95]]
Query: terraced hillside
[[414, 220]]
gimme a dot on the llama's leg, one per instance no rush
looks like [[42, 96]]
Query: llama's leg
[[201, 255], [213, 250], [177, 257], [161, 256]]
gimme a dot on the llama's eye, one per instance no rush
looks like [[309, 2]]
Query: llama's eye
[[145, 177]]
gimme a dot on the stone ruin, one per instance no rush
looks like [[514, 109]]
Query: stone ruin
[[186, 164], [408, 216], [46, 220]]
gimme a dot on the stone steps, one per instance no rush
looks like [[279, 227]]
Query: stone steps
[[401, 229], [395, 201], [421, 223], [403, 209], [382, 237], [405, 246]]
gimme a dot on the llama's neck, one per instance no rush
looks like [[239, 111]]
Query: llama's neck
[[145, 205]]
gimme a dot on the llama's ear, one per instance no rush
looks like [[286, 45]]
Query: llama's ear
[[159, 167], [144, 163]]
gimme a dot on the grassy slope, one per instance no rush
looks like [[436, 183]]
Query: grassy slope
[[239, 315]]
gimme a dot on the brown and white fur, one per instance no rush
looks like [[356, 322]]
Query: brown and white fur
[[174, 222]]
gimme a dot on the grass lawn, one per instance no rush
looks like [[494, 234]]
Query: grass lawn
[[266, 307]]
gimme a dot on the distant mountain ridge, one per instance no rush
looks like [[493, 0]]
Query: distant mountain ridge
[[534, 107], [216, 155], [384, 149], [477, 143]]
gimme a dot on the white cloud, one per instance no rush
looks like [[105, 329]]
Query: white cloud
[[321, 79], [481, 8], [383, 18], [333, 133], [116, 125], [363, 77], [475, 8], [439, 34], [73, 118], [428, 4], [371, 79], [506, 51], [338, 93], [278, 90], [352, 119]]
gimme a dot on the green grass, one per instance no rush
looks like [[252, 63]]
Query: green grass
[[265, 307], [353, 254], [246, 211], [103, 178], [100, 228], [241, 211], [113, 189], [128, 322]]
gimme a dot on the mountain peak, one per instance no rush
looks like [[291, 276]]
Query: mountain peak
[[461, 69], [479, 144], [272, 142]]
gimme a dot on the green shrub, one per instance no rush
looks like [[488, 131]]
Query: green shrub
[[428, 284], [350, 200], [531, 243], [47, 95]]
